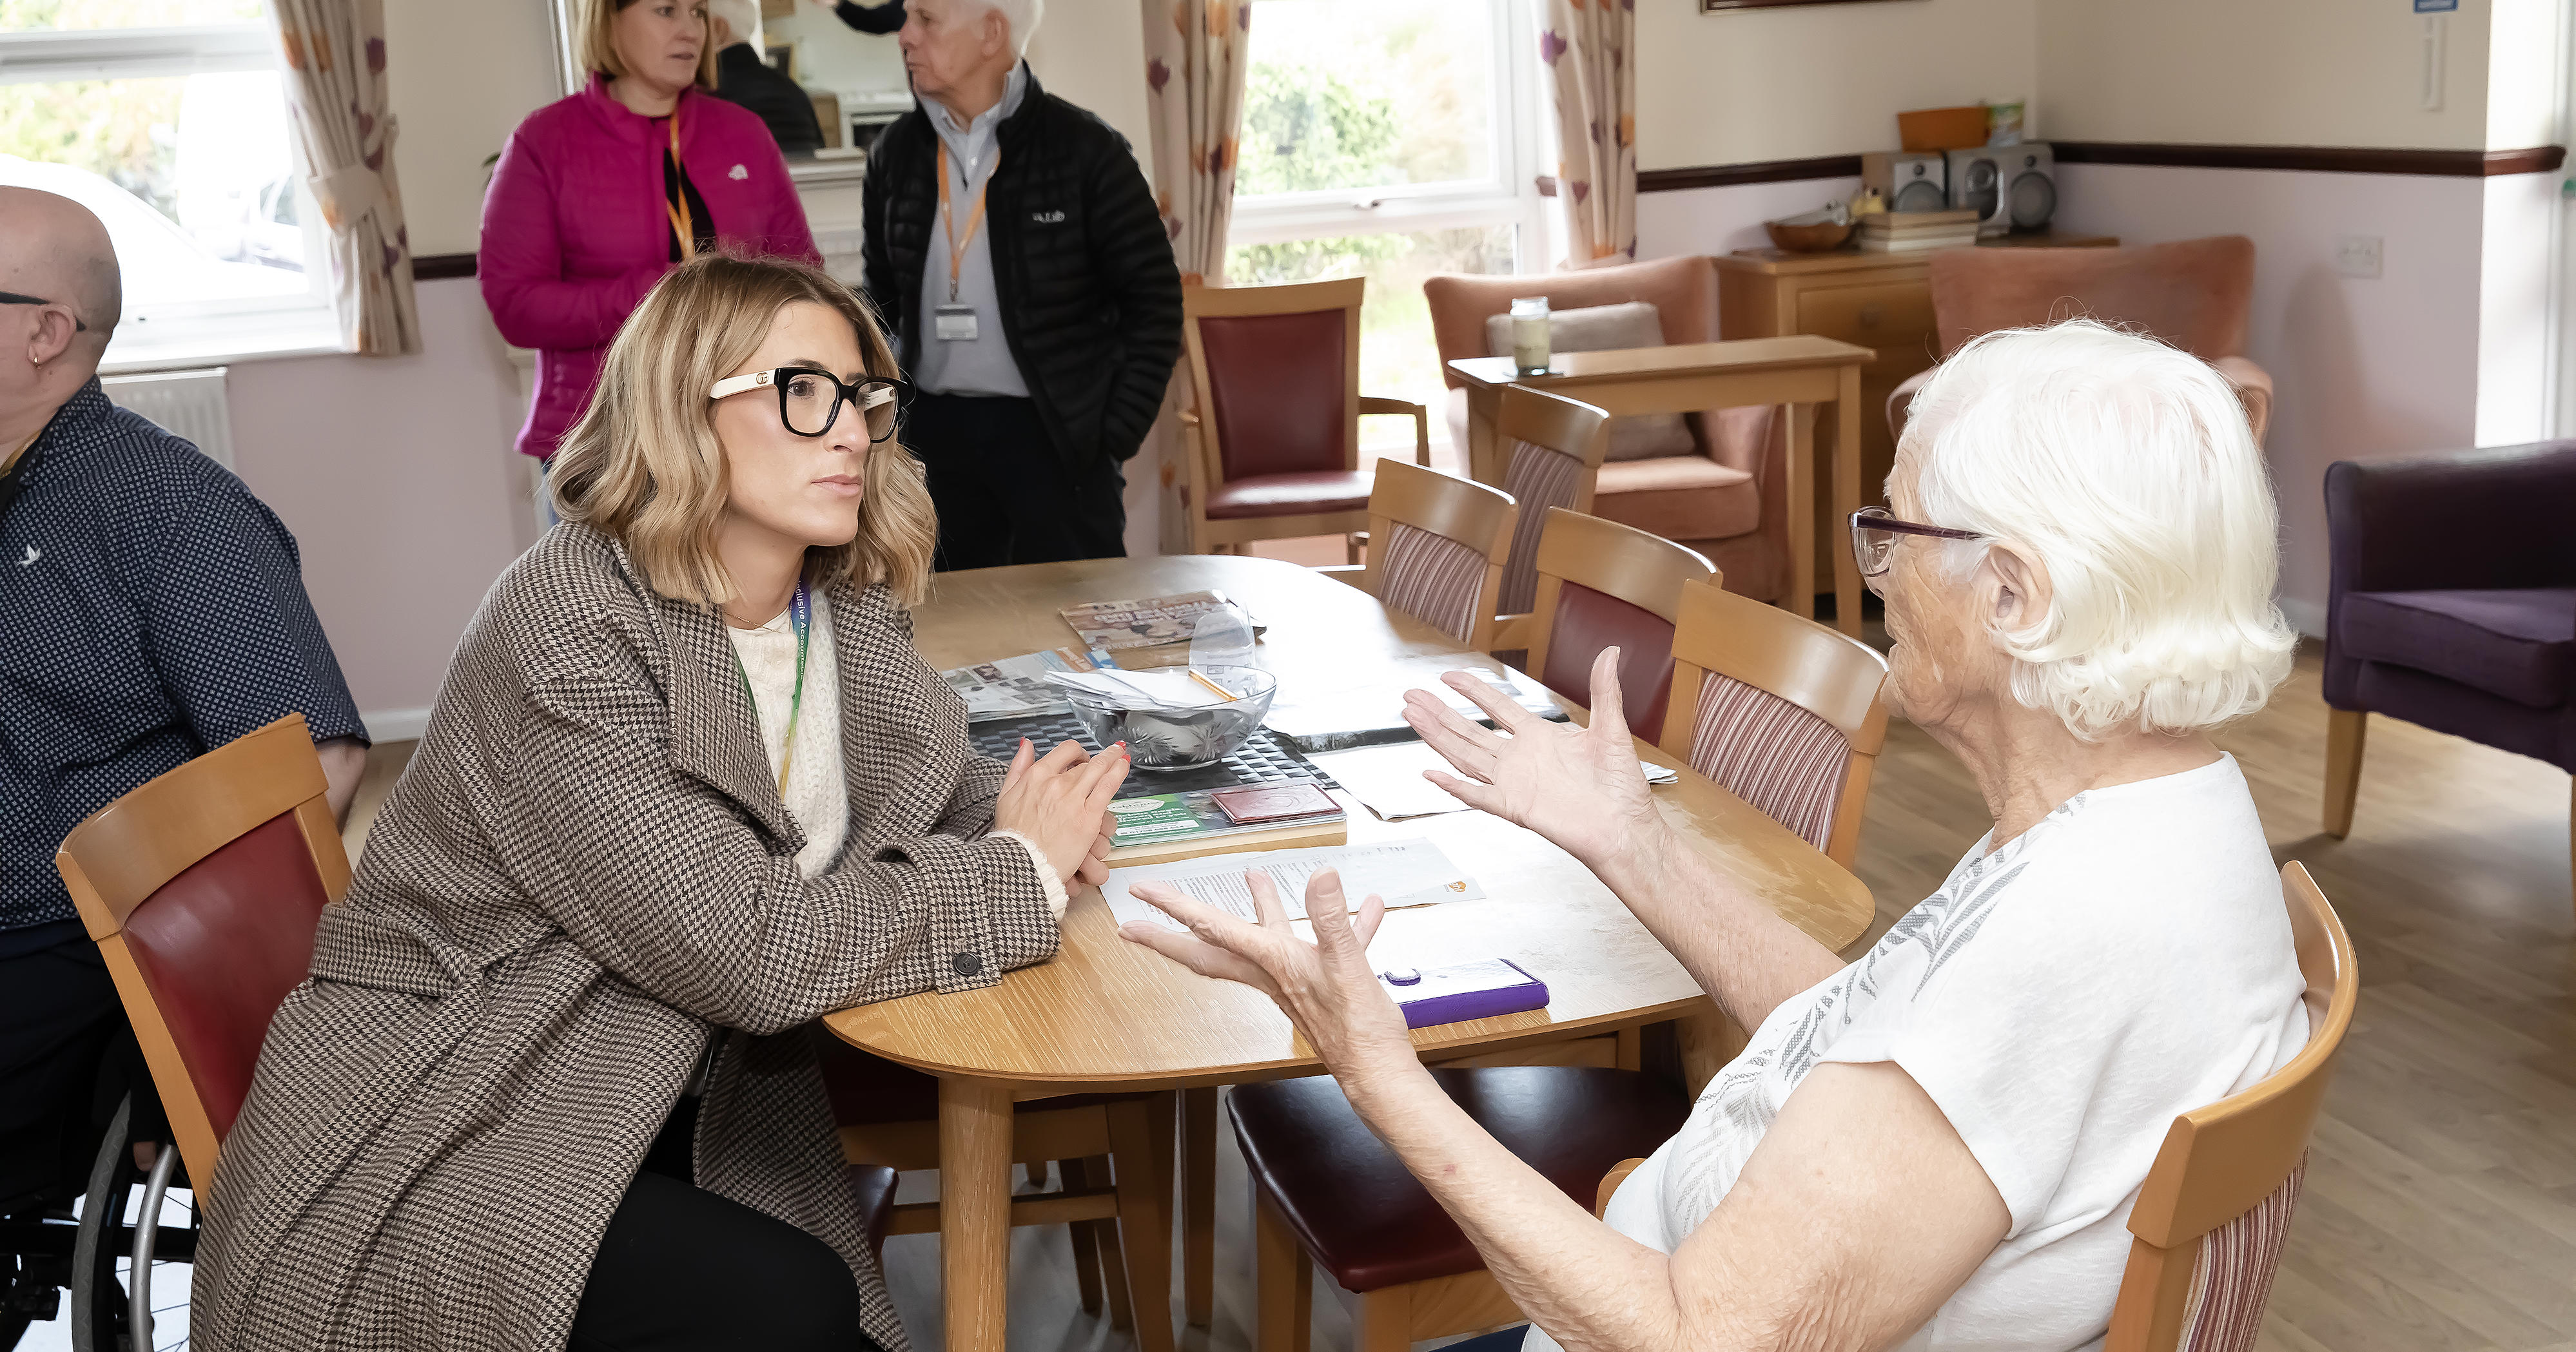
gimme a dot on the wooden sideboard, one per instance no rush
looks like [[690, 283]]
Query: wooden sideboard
[[1881, 301]]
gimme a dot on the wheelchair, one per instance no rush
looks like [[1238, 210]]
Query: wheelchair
[[120, 1254]]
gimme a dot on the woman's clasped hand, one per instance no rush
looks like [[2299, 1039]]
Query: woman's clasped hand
[[1060, 802]]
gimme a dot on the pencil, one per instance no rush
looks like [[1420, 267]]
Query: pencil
[[1229, 695]]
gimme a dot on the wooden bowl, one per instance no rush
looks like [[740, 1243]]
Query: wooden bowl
[[1808, 238]]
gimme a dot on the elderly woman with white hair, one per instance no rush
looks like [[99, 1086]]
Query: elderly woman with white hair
[[1936, 1146]]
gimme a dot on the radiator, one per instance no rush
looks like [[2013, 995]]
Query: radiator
[[188, 403]]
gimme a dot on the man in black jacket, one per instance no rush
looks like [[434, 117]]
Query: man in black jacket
[[1032, 293], [742, 77]]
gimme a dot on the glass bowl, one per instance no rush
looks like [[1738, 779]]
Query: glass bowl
[[1181, 739]]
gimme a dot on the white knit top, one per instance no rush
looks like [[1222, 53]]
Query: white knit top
[[818, 793]]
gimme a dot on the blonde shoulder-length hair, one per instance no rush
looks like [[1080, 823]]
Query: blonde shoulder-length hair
[[643, 463], [595, 39]]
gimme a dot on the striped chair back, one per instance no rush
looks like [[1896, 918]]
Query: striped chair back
[[1780, 711], [1552, 458], [2209, 1222], [1436, 549]]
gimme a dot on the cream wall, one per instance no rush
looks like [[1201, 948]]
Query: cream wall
[[1790, 83], [2273, 72], [463, 72]]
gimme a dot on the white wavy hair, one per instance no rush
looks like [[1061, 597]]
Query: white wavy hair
[[1021, 16], [2128, 468]]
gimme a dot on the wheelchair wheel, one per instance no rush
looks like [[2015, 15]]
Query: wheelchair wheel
[[110, 1292]]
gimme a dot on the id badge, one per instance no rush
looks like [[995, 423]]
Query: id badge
[[954, 323]]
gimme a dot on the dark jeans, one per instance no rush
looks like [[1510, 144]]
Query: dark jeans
[[682, 1269], [61, 1027], [1004, 495]]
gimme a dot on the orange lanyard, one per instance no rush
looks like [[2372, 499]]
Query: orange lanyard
[[678, 205], [974, 219]]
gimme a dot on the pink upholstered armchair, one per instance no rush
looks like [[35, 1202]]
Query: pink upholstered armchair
[[1727, 497], [2194, 294]]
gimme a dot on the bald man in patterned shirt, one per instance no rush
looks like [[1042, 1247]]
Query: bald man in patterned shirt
[[151, 609]]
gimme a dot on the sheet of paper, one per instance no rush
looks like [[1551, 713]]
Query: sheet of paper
[[1015, 687], [1404, 872], [1389, 779]]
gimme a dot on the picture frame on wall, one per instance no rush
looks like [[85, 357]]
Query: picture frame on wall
[[1718, 6]]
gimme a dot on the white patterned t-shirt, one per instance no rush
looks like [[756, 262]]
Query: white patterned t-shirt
[[2062, 1000]]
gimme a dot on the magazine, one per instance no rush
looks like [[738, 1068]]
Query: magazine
[[1110, 626], [1016, 687]]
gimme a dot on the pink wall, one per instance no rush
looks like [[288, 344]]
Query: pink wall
[[2363, 368], [397, 477]]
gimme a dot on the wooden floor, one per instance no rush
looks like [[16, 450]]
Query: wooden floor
[[2441, 1202]]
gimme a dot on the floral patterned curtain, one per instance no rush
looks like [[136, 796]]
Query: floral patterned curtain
[[1585, 44], [1195, 55], [343, 119]]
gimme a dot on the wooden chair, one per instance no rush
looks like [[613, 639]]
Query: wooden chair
[[1551, 451], [1780, 711], [1601, 583], [1274, 428], [1114, 1152], [1437, 546], [2207, 1228]]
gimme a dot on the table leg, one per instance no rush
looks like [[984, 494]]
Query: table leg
[[1198, 1205], [1480, 466], [1801, 461], [975, 1208], [1848, 492], [1144, 1217]]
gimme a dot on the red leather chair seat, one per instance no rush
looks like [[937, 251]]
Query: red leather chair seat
[[221, 945], [1370, 1224], [1588, 621], [866, 1088], [1291, 494], [874, 1186]]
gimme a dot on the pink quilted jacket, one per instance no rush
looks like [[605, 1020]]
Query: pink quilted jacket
[[575, 232]]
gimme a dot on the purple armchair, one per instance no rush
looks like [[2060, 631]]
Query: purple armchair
[[2452, 604]]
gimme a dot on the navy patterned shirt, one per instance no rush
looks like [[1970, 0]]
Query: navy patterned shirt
[[151, 609]]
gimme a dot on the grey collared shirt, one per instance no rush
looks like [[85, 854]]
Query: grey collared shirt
[[981, 365]]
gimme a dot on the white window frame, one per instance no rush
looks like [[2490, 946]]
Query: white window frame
[[1508, 196], [192, 333]]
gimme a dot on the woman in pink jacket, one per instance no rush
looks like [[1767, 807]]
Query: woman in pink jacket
[[597, 195]]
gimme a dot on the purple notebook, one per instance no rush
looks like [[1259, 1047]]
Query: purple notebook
[[1471, 990]]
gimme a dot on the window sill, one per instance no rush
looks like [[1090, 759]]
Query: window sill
[[183, 341]]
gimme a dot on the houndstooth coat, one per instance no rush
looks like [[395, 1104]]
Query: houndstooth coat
[[584, 873]]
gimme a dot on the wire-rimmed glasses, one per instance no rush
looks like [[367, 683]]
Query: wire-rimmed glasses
[[809, 401], [1874, 534]]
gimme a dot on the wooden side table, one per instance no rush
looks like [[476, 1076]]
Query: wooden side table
[[1805, 373], [1880, 301]]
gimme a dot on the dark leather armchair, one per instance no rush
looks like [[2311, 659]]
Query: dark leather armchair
[[2452, 605]]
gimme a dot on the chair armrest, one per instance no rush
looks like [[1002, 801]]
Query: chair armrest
[[1374, 404], [1189, 417], [1610, 1183], [1900, 398], [2467, 519], [1353, 574], [1514, 632]]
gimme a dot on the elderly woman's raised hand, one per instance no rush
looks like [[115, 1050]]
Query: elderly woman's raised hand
[[1582, 788], [1326, 988], [1061, 801]]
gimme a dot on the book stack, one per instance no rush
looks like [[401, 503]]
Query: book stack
[[1909, 231]]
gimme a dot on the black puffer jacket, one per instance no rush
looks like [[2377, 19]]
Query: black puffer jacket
[[1091, 300]]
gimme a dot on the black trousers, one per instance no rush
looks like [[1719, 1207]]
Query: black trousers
[[64, 1049], [1004, 495], [682, 1269]]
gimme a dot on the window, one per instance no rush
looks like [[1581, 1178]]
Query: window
[[167, 118], [1390, 139]]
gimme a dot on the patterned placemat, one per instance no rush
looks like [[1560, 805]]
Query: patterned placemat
[[1261, 760]]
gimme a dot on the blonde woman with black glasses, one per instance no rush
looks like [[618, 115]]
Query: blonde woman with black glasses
[[688, 787]]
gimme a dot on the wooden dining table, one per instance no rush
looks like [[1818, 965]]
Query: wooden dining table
[[1106, 1015]]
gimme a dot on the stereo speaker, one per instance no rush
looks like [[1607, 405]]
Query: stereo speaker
[[1910, 180], [2009, 187]]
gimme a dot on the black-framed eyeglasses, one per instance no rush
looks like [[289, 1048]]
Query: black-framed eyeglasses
[[13, 298], [809, 400], [1874, 534]]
